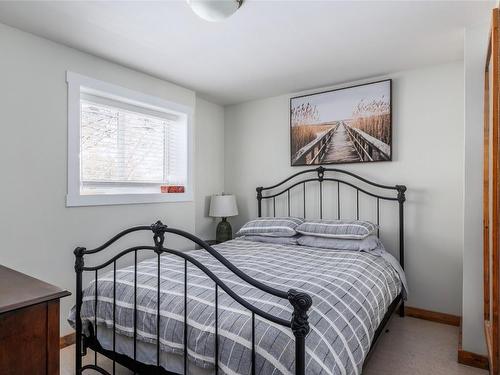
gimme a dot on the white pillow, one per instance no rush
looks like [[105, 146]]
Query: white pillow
[[355, 229]]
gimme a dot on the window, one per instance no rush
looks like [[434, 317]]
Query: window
[[125, 147]]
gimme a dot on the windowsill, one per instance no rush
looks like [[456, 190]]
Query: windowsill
[[108, 199]]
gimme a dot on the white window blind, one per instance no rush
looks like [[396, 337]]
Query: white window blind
[[128, 149]]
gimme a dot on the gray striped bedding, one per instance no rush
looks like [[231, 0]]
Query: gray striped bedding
[[351, 292], [270, 239], [369, 243]]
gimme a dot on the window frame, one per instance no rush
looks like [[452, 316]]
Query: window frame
[[93, 86]]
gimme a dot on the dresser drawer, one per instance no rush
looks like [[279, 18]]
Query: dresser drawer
[[29, 325], [29, 340]]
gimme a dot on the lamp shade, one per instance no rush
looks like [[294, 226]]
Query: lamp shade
[[223, 206]]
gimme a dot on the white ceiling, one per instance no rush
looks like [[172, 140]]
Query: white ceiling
[[267, 48]]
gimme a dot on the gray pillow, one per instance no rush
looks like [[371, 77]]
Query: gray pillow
[[273, 240], [369, 243], [355, 229], [271, 226]]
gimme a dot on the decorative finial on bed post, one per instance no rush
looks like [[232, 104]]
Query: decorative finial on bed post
[[159, 230], [79, 263], [301, 302], [259, 200], [401, 193], [259, 192], [321, 173]]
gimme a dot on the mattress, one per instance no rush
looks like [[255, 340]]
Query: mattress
[[351, 293], [146, 353]]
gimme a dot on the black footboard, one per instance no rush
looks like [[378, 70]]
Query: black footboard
[[301, 302]]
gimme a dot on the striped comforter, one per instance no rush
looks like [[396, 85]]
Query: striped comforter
[[351, 292]]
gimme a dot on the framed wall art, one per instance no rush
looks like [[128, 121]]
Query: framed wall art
[[347, 125]]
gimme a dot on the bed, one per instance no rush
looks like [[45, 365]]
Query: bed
[[242, 307]]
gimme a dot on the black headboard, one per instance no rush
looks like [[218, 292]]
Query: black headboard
[[397, 194]]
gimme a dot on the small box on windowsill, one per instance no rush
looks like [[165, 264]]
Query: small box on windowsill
[[172, 189]]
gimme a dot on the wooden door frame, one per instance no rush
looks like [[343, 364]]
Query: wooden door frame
[[491, 180]]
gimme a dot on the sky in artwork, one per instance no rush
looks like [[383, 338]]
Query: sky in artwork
[[339, 104]]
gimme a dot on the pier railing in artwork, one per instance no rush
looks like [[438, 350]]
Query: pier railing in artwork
[[314, 151], [364, 146], [368, 148]]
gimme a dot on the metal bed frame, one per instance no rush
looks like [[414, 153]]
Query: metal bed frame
[[300, 301]]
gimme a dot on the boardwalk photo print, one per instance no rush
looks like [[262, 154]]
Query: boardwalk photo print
[[349, 125]]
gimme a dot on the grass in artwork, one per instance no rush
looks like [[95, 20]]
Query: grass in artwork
[[303, 134], [374, 119]]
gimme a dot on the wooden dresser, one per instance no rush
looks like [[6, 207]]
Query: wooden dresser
[[29, 324]]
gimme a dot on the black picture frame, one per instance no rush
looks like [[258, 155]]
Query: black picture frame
[[365, 149]]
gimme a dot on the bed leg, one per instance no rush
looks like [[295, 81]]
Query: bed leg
[[79, 251], [402, 309]]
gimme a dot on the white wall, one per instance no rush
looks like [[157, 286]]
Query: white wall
[[476, 41], [428, 139], [209, 161], [38, 232]]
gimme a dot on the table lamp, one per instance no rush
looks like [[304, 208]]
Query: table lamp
[[223, 206]]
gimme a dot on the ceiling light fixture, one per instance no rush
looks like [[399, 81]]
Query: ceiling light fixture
[[214, 10]]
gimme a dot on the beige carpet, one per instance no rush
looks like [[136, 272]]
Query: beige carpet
[[417, 347], [411, 347]]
